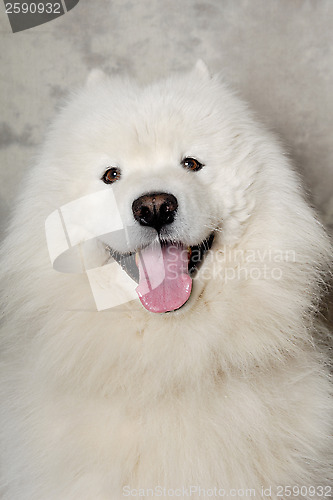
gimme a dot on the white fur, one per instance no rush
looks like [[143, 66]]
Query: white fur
[[231, 391]]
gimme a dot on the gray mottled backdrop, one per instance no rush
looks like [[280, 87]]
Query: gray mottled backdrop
[[277, 53]]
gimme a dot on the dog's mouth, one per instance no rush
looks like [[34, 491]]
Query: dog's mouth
[[164, 271]]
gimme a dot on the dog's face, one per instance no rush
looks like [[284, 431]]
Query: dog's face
[[172, 156]]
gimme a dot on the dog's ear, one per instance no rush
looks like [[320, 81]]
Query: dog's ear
[[202, 70], [95, 76]]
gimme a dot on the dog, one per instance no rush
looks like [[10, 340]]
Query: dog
[[164, 338]]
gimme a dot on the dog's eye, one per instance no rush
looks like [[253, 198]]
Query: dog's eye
[[192, 164], [111, 175]]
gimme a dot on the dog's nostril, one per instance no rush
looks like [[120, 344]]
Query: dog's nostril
[[145, 212], [155, 209], [167, 213]]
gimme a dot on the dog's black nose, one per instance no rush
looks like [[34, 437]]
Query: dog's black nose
[[155, 209]]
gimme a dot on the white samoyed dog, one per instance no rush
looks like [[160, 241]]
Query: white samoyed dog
[[187, 357]]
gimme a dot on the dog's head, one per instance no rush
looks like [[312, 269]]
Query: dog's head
[[177, 157]]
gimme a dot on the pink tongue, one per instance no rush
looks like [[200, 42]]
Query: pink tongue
[[164, 283]]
